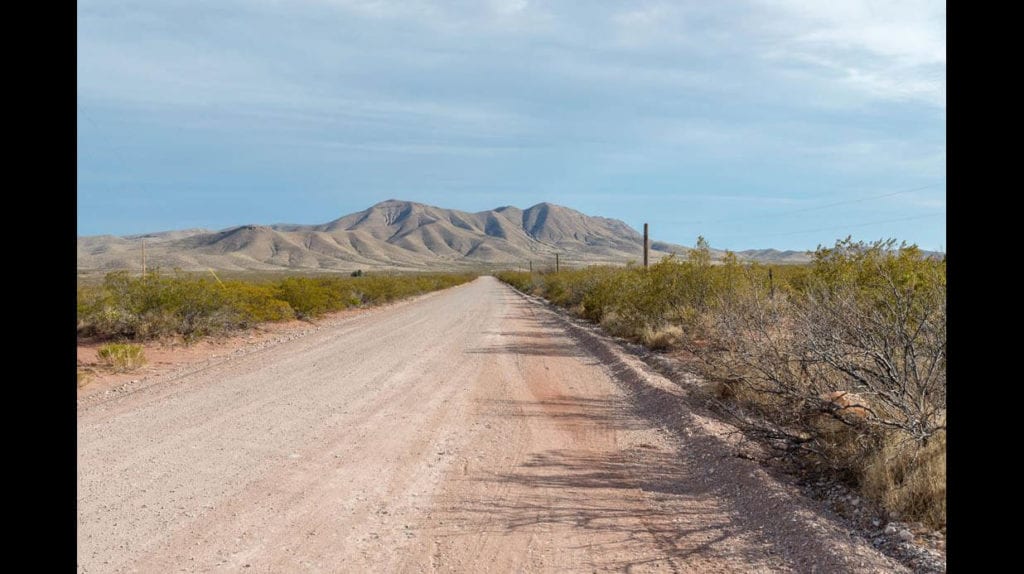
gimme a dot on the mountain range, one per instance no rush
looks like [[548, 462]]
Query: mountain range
[[396, 234]]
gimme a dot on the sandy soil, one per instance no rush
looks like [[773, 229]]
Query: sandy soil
[[467, 431]]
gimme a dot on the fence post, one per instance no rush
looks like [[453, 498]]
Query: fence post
[[647, 244]]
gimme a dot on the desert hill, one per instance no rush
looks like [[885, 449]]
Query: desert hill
[[395, 234]]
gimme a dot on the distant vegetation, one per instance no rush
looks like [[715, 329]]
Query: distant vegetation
[[137, 308], [841, 362]]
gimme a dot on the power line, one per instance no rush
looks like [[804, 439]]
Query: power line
[[847, 202], [833, 229], [812, 208]]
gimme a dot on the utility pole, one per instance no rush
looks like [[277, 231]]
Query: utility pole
[[647, 244], [556, 263], [143, 256]]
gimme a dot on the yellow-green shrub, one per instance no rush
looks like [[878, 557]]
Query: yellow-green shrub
[[257, 302], [866, 318], [521, 280], [158, 304], [122, 356]]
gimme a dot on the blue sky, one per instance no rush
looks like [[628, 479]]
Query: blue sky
[[761, 123]]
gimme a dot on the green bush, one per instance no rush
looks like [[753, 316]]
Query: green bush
[[521, 280], [310, 297], [158, 305], [257, 303]]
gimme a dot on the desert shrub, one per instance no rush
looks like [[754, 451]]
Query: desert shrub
[[378, 289], [310, 296], [649, 300], [873, 319], [159, 305], [257, 302], [867, 319], [556, 288], [521, 280], [602, 294], [776, 345], [122, 356], [667, 295]]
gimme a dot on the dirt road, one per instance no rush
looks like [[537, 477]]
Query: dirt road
[[465, 431]]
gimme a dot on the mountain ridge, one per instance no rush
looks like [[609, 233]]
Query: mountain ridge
[[396, 234]]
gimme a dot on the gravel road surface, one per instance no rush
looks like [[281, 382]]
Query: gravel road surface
[[465, 431]]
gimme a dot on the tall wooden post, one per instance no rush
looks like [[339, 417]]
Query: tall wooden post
[[531, 266], [143, 256], [556, 263], [647, 245], [771, 284]]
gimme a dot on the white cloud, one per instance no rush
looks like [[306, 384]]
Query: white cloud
[[911, 31], [632, 88], [509, 6], [886, 50]]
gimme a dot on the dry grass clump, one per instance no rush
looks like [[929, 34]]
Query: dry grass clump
[[84, 378], [662, 338], [122, 357], [909, 479], [615, 325]]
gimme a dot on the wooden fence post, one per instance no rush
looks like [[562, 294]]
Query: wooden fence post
[[647, 244]]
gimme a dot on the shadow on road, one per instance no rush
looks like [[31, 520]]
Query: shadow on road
[[569, 412], [541, 339], [633, 508], [697, 503]]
